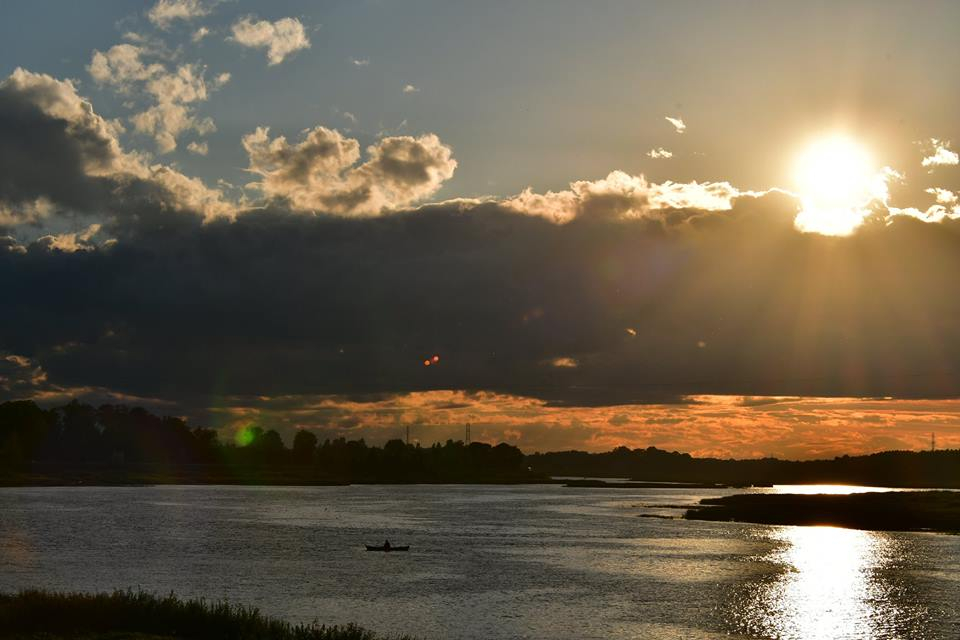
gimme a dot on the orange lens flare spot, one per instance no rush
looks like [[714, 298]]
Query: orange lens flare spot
[[426, 363]]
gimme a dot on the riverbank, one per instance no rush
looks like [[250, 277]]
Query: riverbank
[[36, 615], [877, 511]]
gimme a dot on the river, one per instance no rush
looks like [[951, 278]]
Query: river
[[486, 562]]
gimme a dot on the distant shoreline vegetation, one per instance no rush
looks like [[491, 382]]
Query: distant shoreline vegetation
[[78, 444], [879, 511], [46, 615]]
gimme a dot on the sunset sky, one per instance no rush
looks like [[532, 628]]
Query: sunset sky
[[725, 228]]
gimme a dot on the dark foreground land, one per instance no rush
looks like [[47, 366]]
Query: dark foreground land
[[880, 511], [41, 615]]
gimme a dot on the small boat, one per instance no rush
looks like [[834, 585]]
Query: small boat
[[383, 547]]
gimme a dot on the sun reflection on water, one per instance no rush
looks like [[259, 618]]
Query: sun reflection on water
[[831, 489], [829, 587]]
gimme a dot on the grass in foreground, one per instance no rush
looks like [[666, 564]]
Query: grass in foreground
[[879, 511], [43, 615]]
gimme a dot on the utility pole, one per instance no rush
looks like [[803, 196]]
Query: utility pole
[[933, 442], [467, 435], [408, 434]]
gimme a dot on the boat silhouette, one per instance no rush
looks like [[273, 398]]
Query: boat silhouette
[[387, 547]]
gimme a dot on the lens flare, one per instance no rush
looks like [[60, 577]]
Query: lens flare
[[244, 436]]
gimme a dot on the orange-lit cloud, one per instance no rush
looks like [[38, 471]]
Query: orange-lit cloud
[[721, 426]]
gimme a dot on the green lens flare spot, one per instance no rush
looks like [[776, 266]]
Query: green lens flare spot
[[244, 436]]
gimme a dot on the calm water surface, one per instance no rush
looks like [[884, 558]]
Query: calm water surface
[[485, 562]]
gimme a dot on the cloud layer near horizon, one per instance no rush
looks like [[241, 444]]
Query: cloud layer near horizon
[[643, 310], [647, 293]]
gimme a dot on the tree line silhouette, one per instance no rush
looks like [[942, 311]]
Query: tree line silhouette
[[79, 443], [887, 468]]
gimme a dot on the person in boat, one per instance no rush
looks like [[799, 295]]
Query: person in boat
[[386, 545]]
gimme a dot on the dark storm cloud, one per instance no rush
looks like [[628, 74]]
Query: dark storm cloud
[[274, 304], [46, 156], [647, 293], [54, 148]]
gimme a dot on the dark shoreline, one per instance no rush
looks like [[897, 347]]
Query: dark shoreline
[[875, 511]]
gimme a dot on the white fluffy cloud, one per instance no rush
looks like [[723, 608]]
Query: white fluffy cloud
[[947, 207], [707, 196], [935, 213], [167, 120], [280, 38], [677, 123], [198, 148], [321, 172], [940, 154], [165, 12], [173, 92], [122, 65], [622, 196], [943, 196], [173, 114], [659, 153]]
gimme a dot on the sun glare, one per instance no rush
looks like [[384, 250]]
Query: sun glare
[[836, 181]]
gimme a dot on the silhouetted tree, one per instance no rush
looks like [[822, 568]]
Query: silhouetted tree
[[269, 447], [304, 446], [24, 430], [79, 432]]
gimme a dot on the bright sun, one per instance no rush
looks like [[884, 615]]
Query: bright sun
[[836, 181]]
